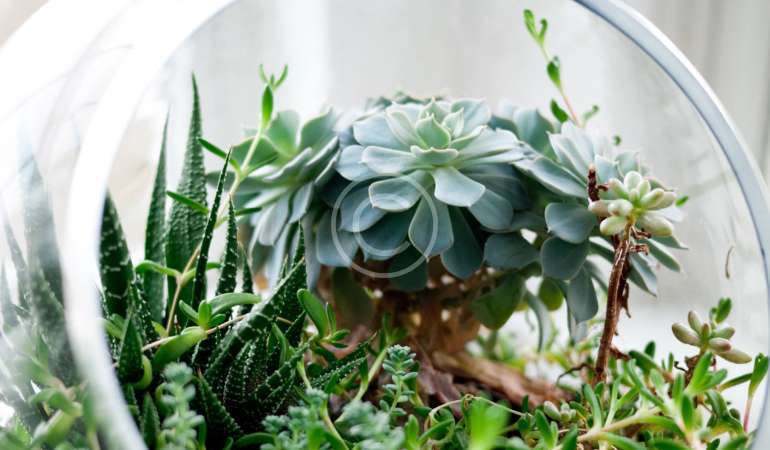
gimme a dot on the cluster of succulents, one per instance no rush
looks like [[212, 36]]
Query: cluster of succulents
[[468, 209], [633, 202], [712, 335]]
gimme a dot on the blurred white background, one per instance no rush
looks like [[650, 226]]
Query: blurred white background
[[728, 41]]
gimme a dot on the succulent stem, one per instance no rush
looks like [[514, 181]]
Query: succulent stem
[[616, 291]]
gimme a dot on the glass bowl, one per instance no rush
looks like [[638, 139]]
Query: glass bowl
[[91, 110]]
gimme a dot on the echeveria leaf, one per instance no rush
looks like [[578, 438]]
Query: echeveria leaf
[[431, 229], [581, 297], [562, 260], [553, 176], [509, 251], [570, 222], [464, 256], [454, 188]]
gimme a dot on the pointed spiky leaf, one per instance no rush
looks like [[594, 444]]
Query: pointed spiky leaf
[[115, 265], [121, 289], [240, 374], [7, 308], [262, 399], [49, 318], [39, 228], [154, 235], [130, 368], [185, 227], [247, 283], [229, 269], [219, 423], [342, 367], [258, 323], [20, 265], [150, 424], [199, 284]]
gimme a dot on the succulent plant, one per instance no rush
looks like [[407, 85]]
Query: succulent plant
[[426, 176], [633, 202], [284, 191], [712, 335]]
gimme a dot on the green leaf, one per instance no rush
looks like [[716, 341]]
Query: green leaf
[[7, 309], [554, 71], [39, 226], [543, 425], [622, 442], [315, 309], [352, 302], [257, 324], [570, 440], [151, 266], [596, 409], [561, 259], [49, 319], [20, 266], [342, 367], [219, 423], [213, 149], [758, 374], [581, 297], [150, 422], [722, 310], [553, 177], [543, 320], [130, 368], [570, 222], [666, 444], [551, 294], [224, 302], [188, 202], [509, 251], [155, 233], [177, 346], [199, 283], [267, 105], [261, 398], [115, 266], [558, 112], [495, 307], [185, 226], [229, 271]]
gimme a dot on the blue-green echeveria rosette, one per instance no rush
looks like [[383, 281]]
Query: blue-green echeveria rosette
[[429, 176], [286, 189]]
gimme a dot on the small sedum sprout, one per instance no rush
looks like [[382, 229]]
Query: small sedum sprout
[[634, 202], [713, 335]]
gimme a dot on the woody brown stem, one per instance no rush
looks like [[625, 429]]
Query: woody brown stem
[[617, 298]]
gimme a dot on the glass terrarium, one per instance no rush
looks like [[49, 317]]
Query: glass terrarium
[[92, 112]]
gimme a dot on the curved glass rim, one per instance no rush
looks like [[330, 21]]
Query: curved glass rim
[[146, 58]]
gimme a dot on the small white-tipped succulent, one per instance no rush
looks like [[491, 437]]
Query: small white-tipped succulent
[[712, 335], [634, 202]]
